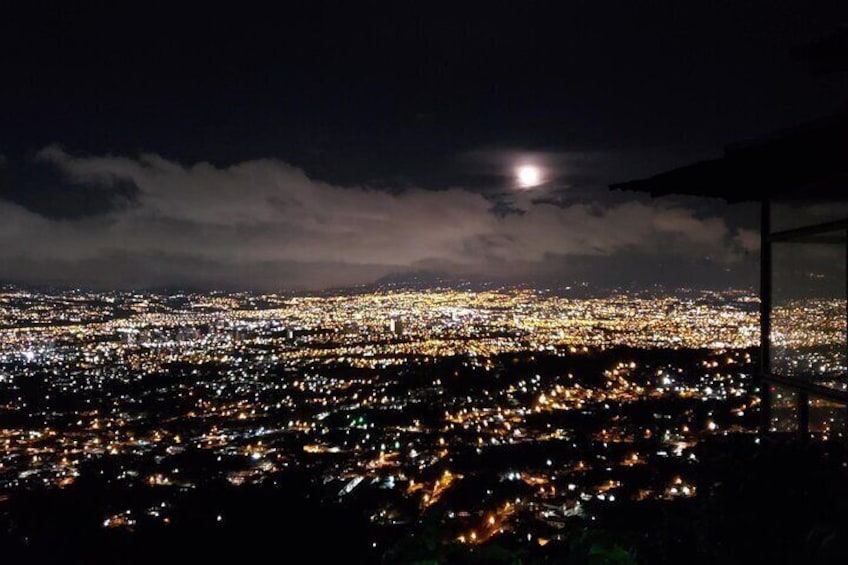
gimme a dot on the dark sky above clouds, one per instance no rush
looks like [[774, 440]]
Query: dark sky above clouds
[[325, 144]]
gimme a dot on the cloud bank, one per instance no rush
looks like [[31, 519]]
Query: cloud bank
[[265, 224]]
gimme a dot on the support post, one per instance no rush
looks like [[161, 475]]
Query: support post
[[765, 312]]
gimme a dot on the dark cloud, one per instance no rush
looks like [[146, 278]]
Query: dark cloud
[[266, 224]]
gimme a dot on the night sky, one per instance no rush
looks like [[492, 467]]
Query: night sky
[[333, 144]]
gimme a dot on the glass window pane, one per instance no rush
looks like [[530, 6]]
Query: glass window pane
[[808, 316], [827, 418], [791, 215]]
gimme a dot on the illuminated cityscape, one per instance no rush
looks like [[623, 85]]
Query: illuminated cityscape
[[503, 415], [494, 417], [499, 413]]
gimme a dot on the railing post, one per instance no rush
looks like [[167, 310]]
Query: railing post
[[803, 415]]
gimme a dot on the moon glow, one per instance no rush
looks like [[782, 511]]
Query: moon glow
[[528, 176]]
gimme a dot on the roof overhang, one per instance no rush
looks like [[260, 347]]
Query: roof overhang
[[809, 162]]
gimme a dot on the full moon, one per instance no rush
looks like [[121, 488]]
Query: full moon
[[528, 176]]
